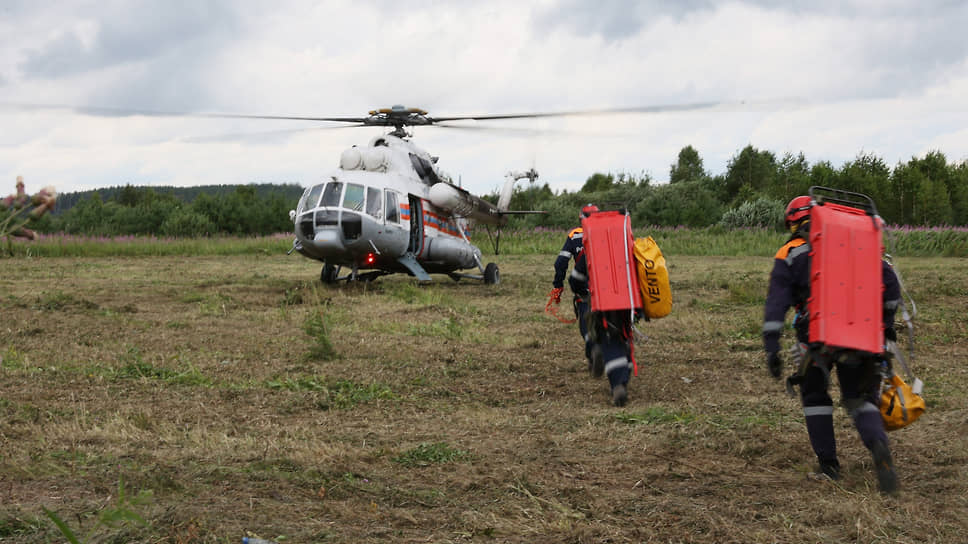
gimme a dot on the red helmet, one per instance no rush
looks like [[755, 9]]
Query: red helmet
[[798, 209], [588, 210]]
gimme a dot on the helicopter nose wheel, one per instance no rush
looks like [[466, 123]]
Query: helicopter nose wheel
[[492, 276], [329, 274]]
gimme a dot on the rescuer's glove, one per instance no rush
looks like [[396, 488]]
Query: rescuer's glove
[[774, 364]]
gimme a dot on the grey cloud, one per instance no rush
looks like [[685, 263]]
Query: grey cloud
[[613, 19], [135, 31], [904, 52], [893, 47], [170, 42]]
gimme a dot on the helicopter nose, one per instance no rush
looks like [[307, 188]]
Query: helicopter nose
[[328, 240]]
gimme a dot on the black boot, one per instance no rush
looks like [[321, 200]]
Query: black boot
[[884, 465], [830, 468], [596, 361], [620, 395]]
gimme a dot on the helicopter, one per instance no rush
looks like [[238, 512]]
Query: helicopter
[[388, 209]]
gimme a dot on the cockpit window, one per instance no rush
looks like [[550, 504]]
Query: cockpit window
[[393, 212], [374, 202], [313, 197], [332, 193], [353, 199]]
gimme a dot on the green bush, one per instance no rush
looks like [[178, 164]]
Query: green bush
[[321, 348], [759, 213], [186, 223]]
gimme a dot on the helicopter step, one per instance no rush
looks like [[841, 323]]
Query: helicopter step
[[410, 262]]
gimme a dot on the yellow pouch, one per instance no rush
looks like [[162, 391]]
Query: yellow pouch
[[653, 278], [901, 404]]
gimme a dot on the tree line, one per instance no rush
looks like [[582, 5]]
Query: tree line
[[754, 191], [241, 210]]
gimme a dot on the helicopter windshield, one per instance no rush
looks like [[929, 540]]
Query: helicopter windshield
[[353, 198], [332, 193], [312, 197]]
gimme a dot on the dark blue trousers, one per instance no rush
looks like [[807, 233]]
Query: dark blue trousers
[[859, 395]]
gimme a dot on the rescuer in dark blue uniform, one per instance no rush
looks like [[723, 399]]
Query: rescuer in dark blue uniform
[[606, 352], [574, 249], [859, 379]]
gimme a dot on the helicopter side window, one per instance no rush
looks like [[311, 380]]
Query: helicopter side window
[[312, 197], [332, 193], [374, 204], [353, 197], [393, 209]]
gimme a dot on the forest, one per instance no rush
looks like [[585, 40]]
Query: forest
[[757, 185], [241, 210], [752, 192]]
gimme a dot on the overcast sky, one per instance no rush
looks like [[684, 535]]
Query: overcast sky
[[831, 79]]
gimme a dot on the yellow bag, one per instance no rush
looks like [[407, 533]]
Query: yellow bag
[[901, 404], [653, 278]]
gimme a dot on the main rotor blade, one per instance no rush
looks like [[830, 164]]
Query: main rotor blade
[[407, 118], [267, 133], [642, 109], [126, 112], [509, 130]]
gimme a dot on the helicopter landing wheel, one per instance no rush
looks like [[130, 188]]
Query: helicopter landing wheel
[[492, 276], [329, 273]]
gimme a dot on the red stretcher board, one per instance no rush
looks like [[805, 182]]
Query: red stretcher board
[[846, 300], [612, 276]]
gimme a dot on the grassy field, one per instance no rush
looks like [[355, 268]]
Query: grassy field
[[234, 395]]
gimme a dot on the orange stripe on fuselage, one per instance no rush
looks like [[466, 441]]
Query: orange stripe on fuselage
[[445, 225], [433, 220]]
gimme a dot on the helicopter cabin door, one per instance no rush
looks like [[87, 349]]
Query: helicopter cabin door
[[395, 236], [416, 225]]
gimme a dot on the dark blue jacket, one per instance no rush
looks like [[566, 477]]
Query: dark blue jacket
[[790, 287], [573, 249]]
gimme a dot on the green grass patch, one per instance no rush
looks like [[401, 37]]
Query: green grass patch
[[425, 454], [320, 347], [209, 304], [63, 245], [132, 366], [12, 359], [416, 294], [749, 291], [753, 420], [20, 526], [655, 415], [448, 327], [338, 394]]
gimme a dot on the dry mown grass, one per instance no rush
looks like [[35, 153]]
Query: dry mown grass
[[453, 412]]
